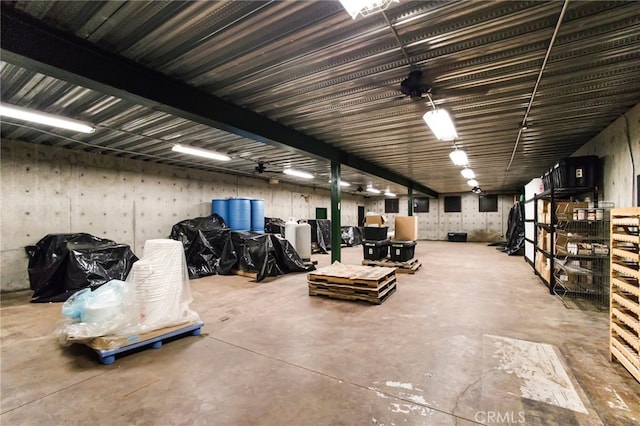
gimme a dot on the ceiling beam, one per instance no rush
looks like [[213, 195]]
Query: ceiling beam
[[31, 44]]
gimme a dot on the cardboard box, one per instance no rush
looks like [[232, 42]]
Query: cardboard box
[[546, 273], [374, 220], [543, 207], [107, 343], [540, 263], [548, 243], [564, 209], [543, 239], [406, 228]]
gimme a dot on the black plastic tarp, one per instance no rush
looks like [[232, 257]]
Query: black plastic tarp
[[61, 264], [274, 225], [265, 254], [203, 239], [351, 236], [321, 234], [515, 230]]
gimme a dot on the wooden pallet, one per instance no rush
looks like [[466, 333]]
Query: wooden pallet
[[624, 309], [383, 295], [408, 267], [354, 290], [252, 275], [353, 275], [107, 347]]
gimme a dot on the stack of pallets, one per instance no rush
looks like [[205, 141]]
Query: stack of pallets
[[408, 267], [353, 282]]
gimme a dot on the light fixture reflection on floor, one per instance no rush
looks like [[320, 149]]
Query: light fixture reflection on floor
[[439, 121], [459, 157], [467, 173], [298, 173], [199, 152], [472, 182], [19, 113]]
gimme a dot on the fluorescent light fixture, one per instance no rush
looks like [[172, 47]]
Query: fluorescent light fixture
[[373, 190], [440, 124], [200, 152], [459, 157], [298, 173], [389, 194], [467, 173], [472, 182], [343, 183], [19, 113], [365, 7]]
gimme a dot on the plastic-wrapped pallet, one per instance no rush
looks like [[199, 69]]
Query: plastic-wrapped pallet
[[156, 294]]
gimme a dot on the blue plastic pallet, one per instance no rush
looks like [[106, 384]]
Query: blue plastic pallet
[[109, 356]]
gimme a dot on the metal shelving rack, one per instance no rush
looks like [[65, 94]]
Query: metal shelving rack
[[552, 195], [581, 259], [625, 289], [529, 223]]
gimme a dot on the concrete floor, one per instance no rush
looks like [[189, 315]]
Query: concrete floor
[[473, 337]]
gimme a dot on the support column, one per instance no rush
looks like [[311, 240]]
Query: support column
[[410, 206], [336, 230]]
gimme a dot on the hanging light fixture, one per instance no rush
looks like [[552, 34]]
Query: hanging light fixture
[[298, 173], [365, 7], [472, 182], [343, 183], [467, 173], [459, 157], [199, 152], [439, 121], [389, 194], [373, 190], [25, 114]]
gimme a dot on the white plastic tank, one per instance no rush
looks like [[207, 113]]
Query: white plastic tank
[[290, 231], [303, 240]]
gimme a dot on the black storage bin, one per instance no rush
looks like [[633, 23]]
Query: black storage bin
[[546, 180], [373, 233], [401, 251], [375, 250], [457, 237], [576, 172]]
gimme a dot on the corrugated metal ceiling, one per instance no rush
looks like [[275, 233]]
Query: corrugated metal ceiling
[[309, 66]]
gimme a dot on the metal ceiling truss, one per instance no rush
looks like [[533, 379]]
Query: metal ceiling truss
[[29, 43]]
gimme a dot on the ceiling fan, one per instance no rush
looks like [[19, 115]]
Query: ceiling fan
[[417, 86], [413, 86]]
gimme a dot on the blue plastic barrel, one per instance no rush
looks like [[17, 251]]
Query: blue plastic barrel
[[239, 214], [257, 215], [221, 207]]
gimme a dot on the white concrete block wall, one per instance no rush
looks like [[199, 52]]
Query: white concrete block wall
[[52, 190], [436, 224], [617, 145]]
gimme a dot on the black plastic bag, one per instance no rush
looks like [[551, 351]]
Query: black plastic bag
[[93, 265], [50, 259], [203, 239], [515, 230], [265, 254], [351, 236], [321, 234], [273, 225]]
